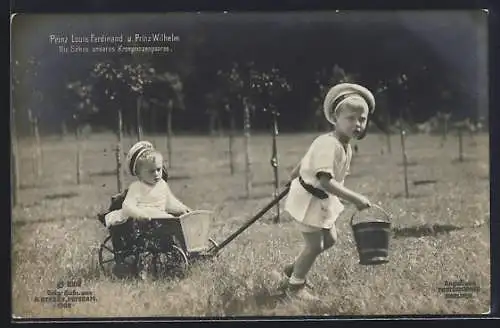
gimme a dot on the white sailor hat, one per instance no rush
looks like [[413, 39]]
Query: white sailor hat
[[133, 154], [340, 92]]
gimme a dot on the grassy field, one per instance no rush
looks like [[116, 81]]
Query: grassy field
[[56, 234]]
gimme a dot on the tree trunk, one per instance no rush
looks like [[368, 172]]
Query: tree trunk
[[212, 126], [78, 156], [119, 173], [274, 163], [169, 133], [445, 128], [64, 130], [405, 161], [460, 145], [152, 116], [139, 120], [212, 129], [388, 141], [169, 118], [34, 159], [38, 147], [13, 174], [248, 170], [220, 128], [231, 142], [388, 135], [14, 168]]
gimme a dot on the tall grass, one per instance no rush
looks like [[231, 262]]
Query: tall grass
[[56, 238]]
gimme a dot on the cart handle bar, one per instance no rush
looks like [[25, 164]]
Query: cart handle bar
[[214, 249]]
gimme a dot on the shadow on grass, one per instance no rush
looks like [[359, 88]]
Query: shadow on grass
[[28, 186], [65, 195], [424, 182], [252, 197], [28, 222], [178, 177], [465, 159], [103, 173], [411, 195], [410, 163], [265, 299], [423, 231], [263, 183], [269, 183], [271, 219], [261, 299]]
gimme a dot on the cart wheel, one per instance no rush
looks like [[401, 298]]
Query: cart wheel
[[108, 264], [173, 263], [106, 257]]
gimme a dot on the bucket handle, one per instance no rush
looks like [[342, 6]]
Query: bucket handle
[[372, 206]]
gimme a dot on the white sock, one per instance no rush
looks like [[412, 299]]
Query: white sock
[[296, 281]]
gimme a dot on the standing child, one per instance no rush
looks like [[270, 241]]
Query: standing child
[[318, 181]]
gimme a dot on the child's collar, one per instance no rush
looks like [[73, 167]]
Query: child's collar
[[343, 140]]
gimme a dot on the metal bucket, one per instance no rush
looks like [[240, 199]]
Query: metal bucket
[[372, 239]]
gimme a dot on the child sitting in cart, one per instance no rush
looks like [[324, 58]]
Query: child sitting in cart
[[149, 197]]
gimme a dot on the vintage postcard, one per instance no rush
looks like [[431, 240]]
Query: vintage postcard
[[331, 163]]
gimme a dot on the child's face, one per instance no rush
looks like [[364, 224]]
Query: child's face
[[150, 171], [351, 121]]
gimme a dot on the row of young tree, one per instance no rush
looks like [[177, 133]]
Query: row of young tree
[[242, 90], [115, 83]]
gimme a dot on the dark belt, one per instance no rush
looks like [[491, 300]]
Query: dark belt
[[313, 190]]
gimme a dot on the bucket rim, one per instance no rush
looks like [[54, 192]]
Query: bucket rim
[[388, 223], [387, 215]]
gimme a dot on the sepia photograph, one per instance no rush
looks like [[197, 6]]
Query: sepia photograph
[[250, 164]]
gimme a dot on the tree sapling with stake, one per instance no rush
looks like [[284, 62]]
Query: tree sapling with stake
[[405, 160], [269, 88]]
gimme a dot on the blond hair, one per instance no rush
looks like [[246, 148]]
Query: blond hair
[[148, 156]]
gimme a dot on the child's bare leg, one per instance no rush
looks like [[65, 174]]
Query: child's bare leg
[[313, 247], [329, 237]]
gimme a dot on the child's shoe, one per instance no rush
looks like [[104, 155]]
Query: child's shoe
[[283, 276], [299, 291], [287, 272]]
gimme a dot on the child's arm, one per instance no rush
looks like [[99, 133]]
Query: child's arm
[[129, 206], [336, 188], [174, 205], [325, 154]]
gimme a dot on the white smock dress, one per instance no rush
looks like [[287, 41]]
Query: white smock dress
[[326, 154], [144, 199]]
